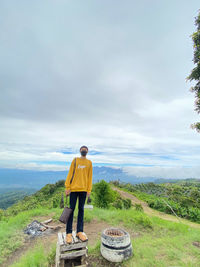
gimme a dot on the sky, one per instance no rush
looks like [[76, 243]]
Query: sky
[[107, 74]]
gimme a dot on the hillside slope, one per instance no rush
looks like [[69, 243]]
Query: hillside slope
[[153, 212], [158, 239]]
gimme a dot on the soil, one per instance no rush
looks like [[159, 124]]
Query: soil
[[92, 229]]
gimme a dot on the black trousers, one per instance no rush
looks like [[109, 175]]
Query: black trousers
[[73, 198]]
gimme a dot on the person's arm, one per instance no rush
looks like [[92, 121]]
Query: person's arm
[[89, 188], [69, 176]]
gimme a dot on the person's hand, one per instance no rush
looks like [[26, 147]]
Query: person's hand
[[88, 194], [67, 192]]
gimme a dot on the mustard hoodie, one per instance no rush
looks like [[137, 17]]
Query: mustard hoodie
[[82, 180]]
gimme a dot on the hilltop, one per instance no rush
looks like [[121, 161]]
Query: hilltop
[[158, 239]]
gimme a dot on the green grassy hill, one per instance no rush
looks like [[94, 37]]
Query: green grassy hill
[[155, 241], [182, 198], [10, 196]]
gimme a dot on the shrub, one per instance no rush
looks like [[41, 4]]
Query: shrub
[[122, 203], [127, 203], [138, 207], [103, 194], [62, 202], [118, 204]]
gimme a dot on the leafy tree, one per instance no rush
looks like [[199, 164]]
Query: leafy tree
[[195, 73], [104, 195]]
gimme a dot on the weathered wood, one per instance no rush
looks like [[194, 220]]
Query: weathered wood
[[60, 239], [73, 246], [66, 252], [64, 238], [47, 221], [73, 255], [76, 239], [43, 229], [83, 258], [51, 226], [58, 255]]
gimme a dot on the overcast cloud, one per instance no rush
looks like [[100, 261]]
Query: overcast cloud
[[107, 74]]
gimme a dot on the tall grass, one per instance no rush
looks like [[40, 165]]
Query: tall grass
[[11, 234], [37, 257]]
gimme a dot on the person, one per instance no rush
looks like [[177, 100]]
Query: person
[[80, 188]]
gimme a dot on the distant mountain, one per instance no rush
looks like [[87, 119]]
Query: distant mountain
[[15, 178]]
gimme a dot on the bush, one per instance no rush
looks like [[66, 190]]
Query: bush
[[118, 204], [103, 194], [122, 203], [138, 207], [127, 203]]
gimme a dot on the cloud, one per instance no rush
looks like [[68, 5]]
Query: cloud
[[163, 172], [87, 73]]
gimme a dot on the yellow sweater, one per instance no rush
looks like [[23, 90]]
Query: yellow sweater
[[82, 180]]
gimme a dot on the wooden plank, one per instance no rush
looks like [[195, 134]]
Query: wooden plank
[[76, 239], [73, 255], [57, 255], [51, 227], [73, 246], [47, 221], [64, 237], [60, 239]]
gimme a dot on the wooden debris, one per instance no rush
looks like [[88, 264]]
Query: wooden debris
[[47, 221], [51, 226]]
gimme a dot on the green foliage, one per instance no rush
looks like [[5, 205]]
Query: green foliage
[[127, 203], [49, 196], [11, 234], [118, 203], [122, 203], [62, 202], [195, 73], [182, 198], [8, 197], [36, 257], [103, 194], [1, 214], [138, 207]]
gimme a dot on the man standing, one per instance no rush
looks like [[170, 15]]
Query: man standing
[[80, 188]]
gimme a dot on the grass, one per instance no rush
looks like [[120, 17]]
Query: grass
[[160, 243], [37, 257], [11, 234], [130, 218]]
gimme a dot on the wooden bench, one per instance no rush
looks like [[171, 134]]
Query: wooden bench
[[74, 254]]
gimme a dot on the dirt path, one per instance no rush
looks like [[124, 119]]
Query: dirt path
[[92, 229], [153, 212]]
